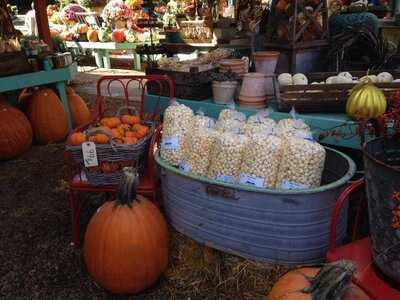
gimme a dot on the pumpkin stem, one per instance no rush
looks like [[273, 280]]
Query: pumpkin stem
[[126, 192], [331, 281]]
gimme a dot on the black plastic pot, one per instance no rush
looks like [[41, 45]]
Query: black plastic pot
[[382, 177]]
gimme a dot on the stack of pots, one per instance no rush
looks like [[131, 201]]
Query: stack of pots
[[265, 62], [237, 66], [253, 92]]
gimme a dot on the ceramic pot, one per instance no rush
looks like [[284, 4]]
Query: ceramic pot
[[224, 91], [253, 85], [265, 62]]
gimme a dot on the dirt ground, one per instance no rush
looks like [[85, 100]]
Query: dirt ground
[[38, 262]]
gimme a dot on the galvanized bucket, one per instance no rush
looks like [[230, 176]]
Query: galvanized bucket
[[287, 227], [382, 181]]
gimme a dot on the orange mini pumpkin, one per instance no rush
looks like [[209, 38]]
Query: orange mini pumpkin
[[111, 122], [119, 252], [332, 281], [116, 133], [130, 134], [129, 140], [124, 128], [99, 138], [77, 138], [130, 119], [140, 130], [108, 129]]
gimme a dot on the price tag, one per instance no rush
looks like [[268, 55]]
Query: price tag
[[251, 180], [225, 178], [170, 143], [184, 168], [89, 154], [290, 185]]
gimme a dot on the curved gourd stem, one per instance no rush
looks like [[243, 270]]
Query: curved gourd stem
[[126, 193], [331, 281]]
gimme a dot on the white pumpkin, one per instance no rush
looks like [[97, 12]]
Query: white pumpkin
[[342, 79], [285, 79], [384, 77], [330, 79], [346, 75], [300, 78], [372, 77], [396, 80]]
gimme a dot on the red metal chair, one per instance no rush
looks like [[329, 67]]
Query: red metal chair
[[358, 251], [148, 177]]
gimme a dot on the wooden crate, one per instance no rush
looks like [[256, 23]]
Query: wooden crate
[[13, 63], [324, 97]]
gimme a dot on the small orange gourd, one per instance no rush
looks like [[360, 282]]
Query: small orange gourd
[[77, 138], [99, 138], [130, 119], [47, 116], [126, 241], [82, 28], [140, 130], [332, 281]]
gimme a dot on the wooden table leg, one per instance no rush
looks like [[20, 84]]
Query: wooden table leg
[[64, 100], [98, 55], [138, 65], [106, 60]]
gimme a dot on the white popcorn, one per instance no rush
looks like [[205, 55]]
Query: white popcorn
[[258, 124], [178, 121], [197, 152], [261, 160], [201, 121], [226, 157], [302, 164], [228, 113], [288, 127]]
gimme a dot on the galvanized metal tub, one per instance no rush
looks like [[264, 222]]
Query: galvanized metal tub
[[382, 179], [287, 227]]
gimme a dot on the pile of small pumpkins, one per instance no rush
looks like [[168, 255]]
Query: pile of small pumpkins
[[42, 117], [126, 130], [83, 32]]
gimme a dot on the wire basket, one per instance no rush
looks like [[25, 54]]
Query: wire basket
[[112, 157]]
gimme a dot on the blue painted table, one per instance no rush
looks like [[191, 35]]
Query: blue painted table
[[57, 77], [330, 129]]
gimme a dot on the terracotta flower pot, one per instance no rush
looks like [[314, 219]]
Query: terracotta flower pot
[[224, 91], [253, 85], [265, 62]]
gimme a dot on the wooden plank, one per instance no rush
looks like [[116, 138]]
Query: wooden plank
[[21, 81], [100, 45]]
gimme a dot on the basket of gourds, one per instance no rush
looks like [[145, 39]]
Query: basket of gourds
[[120, 141]]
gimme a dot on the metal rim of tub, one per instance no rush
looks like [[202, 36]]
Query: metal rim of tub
[[343, 180]]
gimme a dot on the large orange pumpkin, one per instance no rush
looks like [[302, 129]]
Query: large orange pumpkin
[[15, 132], [126, 241], [80, 113], [47, 116], [332, 281]]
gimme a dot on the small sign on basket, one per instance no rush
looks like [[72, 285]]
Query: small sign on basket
[[89, 154]]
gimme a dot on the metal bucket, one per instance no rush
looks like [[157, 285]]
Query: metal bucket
[[288, 227], [382, 181]]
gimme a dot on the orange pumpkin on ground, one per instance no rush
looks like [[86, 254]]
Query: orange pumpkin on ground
[[77, 138], [69, 90], [15, 132], [126, 241], [332, 281], [130, 119], [47, 116], [80, 113], [92, 35], [99, 138]]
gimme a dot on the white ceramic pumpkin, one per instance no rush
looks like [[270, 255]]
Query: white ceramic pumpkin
[[396, 80], [285, 79], [330, 79], [346, 75], [300, 78], [342, 79], [384, 77]]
